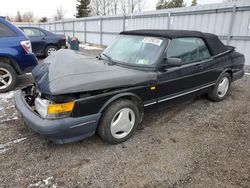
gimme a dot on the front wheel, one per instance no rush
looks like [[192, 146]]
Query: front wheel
[[7, 77], [221, 88], [50, 49], [119, 121]]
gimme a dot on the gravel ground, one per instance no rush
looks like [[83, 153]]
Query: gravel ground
[[197, 143]]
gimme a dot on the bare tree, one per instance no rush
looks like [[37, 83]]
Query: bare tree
[[107, 7], [114, 4], [10, 18], [43, 19], [18, 17], [28, 17], [59, 14], [104, 4], [95, 7], [100, 7], [230, 0], [123, 5]]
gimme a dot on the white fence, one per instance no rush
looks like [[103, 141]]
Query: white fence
[[231, 21]]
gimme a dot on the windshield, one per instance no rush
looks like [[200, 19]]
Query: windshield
[[135, 50]]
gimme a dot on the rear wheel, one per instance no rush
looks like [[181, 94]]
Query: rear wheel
[[221, 88], [7, 77], [119, 121], [50, 49]]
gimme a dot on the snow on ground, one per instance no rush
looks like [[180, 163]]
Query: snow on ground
[[7, 146], [7, 107], [6, 96], [44, 183], [88, 47]]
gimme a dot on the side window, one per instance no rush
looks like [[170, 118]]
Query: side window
[[33, 32], [203, 50], [5, 31], [189, 49]]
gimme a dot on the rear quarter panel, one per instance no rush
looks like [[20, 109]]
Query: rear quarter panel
[[10, 47]]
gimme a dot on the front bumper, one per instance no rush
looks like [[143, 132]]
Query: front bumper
[[60, 131]]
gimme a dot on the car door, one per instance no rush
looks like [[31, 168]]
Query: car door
[[38, 39], [191, 76]]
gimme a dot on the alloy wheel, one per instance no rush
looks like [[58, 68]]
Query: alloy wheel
[[223, 87], [5, 78], [122, 123], [51, 50]]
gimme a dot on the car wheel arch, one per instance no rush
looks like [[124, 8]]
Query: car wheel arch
[[10, 61], [50, 44], [130, 96], [228, 70]]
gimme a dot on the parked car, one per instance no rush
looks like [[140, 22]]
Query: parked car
[[16, 55], [76, 95], [44, 42]]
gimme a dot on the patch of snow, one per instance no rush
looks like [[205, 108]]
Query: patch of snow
[[44, 183], [3, 150], [19, 140], [10, 118], [87, 47], [7, 107], [5, 96], [5, 147]]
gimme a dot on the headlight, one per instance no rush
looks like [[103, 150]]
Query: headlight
[[53, 111]]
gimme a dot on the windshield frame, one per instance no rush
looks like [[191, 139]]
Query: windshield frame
[[153, 65]]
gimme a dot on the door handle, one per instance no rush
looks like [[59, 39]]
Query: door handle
[[199, 66]]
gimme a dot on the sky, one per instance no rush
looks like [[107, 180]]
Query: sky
[[47, 8]]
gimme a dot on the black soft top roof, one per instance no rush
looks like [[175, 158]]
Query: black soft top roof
[[213, 42]]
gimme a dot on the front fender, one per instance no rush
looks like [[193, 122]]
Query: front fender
[[122, 95]]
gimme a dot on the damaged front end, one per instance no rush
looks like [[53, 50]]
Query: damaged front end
[[45, 106], [54, 118]]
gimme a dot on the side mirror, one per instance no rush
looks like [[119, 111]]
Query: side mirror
[[173, 62]]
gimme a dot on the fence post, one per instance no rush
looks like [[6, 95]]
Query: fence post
[[55, 27], [124, 22], [169, 19], [85, 31], [63, 27], [230, 29], [101, 30], [49, 27], [74, 28]]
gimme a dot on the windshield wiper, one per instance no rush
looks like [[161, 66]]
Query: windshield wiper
[[111, 61]]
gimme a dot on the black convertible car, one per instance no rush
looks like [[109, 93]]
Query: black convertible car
[[76, 95]]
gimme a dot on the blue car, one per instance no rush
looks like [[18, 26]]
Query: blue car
[[44, 42], [16, 55]]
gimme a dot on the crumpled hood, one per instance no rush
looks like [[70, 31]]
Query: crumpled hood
[[67, 71]]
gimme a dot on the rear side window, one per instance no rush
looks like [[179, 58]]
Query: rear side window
[[5, 31], [188, 49], [31, 32]]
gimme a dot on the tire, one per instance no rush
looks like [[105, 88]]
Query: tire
[[8, 77], [218, 92], [121, 112], [49, 49]]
